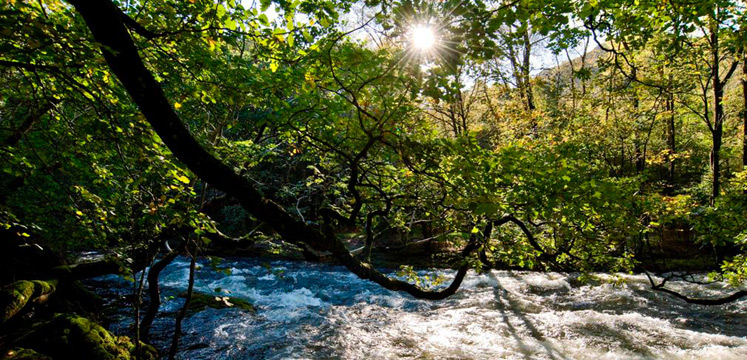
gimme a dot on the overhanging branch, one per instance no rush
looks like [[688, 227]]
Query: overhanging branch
[[105, 22], [700, 301]]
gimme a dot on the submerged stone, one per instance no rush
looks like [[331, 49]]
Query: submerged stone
[[201, 301]]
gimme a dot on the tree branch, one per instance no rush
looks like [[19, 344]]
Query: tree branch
[[716, 301], [103, 19]]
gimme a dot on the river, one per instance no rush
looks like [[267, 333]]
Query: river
[[307, 310]]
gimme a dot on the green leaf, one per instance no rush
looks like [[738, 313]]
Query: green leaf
[[486, 209], [264, 4], [263, 20], [289, 22]]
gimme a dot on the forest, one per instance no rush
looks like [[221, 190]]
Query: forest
[[427, 153]]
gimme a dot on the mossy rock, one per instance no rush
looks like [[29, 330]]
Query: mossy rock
[[67, 336], [201, 301], [23, 354], [14, 297]]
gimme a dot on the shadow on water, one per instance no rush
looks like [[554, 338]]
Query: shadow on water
[[636, 295], [601, 333], [632, 310], [728, 319], [505, 304]]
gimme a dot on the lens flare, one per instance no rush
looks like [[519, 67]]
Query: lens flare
[[423, 37]]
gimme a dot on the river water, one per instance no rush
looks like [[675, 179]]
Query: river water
[[307, 310]]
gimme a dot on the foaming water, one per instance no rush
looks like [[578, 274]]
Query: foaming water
[[309, 310]]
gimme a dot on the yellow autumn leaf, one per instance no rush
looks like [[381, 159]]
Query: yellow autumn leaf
[[183, 179], [177, 105]]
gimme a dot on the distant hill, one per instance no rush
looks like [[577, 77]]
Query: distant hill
[[560, 75], [587, 65]]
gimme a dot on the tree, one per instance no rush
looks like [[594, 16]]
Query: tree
[[106, 23], [706, 28], [315, 133]]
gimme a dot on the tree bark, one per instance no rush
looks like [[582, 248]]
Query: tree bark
[[718, 113], [154, 293], [640, 159], [183, 312], [671, 140], [526, 71], [744, 110]]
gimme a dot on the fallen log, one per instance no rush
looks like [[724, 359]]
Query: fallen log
[[108, 265]]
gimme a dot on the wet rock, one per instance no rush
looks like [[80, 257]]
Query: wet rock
[[201, 301]]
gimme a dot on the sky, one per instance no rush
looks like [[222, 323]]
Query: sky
[[542, 58]]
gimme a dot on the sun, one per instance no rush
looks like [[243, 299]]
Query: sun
[[423, 37]]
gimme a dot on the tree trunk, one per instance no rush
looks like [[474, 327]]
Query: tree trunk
[[154, 293], [526, 71], [671, 142], [183, 312], [640, 160], [718, 113], [744, 110]]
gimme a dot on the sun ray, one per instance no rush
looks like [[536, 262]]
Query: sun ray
[[423, 37], [426, 34]]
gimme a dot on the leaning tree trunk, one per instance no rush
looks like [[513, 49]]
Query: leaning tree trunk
[[183, 312], [106, 23], [154, 293]]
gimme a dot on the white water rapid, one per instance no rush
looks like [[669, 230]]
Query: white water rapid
[[312, 311]]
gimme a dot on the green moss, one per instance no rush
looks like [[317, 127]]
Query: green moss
[[71, 334], [14, 297], [202, 301], [23, 354], [44, 287]]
